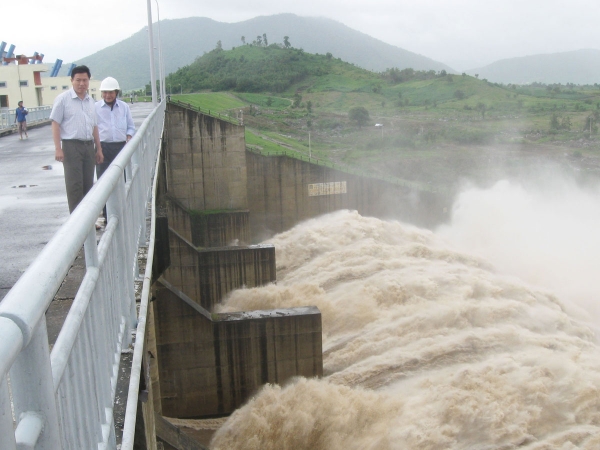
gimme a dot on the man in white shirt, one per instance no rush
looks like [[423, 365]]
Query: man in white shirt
[[75, 131], [115, 124]]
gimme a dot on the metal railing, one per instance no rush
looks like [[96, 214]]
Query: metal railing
[[37, 114], [140, 332], [64, 399]]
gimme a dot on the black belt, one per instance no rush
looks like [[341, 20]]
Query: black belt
[[78, 140]]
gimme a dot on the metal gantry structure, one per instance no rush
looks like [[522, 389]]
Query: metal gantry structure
[[62, 398]]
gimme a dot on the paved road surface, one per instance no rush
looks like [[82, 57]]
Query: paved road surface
[[33, 201]]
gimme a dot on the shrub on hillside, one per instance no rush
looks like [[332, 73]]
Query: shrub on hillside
[[359, 116]]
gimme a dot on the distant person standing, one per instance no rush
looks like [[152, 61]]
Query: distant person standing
[[115, 124], [75, 132], [21, 119]]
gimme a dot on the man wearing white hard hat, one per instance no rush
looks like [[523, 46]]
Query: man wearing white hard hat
[[115, 124]]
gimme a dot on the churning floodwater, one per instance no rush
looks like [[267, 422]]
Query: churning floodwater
[[479, 335]]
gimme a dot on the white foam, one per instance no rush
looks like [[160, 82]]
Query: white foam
[[430, 347]]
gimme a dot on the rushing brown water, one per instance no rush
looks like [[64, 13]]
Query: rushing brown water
[[427, 345]]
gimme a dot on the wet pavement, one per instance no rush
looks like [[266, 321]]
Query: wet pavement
[[33, 202]]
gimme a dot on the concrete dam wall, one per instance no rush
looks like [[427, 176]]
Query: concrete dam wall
[[283, 191], [205, 363]]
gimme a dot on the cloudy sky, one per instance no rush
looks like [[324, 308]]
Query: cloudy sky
[[464, 34]]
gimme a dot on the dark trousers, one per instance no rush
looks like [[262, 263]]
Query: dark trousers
[[110, 150], [79, 162]]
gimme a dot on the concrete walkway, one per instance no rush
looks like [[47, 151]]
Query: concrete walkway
[[33, 201]]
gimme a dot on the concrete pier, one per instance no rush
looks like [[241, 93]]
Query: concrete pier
[[208, 275], [205, 161], [210, 364], [209, 228]]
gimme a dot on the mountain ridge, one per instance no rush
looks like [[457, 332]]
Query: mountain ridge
[[183, 40], [576, 66]]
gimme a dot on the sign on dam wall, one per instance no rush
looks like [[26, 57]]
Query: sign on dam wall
[[334, 188]]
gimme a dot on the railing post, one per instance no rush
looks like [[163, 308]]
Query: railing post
[[116, 207], [140, 216], [7, 436], [32, 387], [91, 249], [133, 230]]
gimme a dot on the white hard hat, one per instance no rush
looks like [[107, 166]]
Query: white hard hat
[[109, 84]]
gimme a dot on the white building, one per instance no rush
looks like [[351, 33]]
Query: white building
[[25, 82]]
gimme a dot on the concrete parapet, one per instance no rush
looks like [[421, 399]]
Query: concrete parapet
[[210, 364], [208, 275]]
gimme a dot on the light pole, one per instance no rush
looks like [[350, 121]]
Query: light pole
[[151, 43], [161, 68]]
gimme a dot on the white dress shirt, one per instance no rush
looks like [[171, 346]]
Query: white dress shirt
[[116, 123], [76, 117]]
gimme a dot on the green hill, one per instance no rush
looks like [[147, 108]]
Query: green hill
[[335, 84], [252, 68]]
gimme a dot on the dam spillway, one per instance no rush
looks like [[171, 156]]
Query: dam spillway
[[216, 201]]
